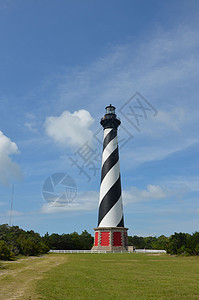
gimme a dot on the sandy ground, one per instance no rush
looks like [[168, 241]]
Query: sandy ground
[[18, 279]]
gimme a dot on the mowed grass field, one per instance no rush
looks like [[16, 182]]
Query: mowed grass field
[[101, 276]]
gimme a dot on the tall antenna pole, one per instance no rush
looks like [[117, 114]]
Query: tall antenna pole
[[12, 198]]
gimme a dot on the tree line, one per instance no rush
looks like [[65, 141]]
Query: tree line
[[177, 243], [72, 241], [15, 241]]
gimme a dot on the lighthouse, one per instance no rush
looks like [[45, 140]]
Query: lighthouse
[[110, 235]]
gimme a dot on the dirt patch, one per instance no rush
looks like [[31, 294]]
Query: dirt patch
[[17, 281], [162, 260], [126, 263], [154, 254], [126, 260]]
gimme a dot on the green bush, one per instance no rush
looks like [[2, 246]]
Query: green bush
[[19, 241], [43, 248], [5, 253]]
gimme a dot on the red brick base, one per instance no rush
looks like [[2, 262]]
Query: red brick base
[[111, 239]]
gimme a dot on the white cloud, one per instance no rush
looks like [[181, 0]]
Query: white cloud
[[9, 170], [172, 120], [153, 192], [15, 213], [83, 202], [30, 116], [185, 184], [89, 200], [153, 65], [71, 129], [31, 123], [153, 151], [30, 126], [164, 69]]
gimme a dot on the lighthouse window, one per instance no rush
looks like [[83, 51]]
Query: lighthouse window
[[110, 110]]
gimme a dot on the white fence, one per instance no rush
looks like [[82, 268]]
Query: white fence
[[149, 251], [103, 251]]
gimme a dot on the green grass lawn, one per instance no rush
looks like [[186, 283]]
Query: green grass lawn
[[120, 276], [100, 276]]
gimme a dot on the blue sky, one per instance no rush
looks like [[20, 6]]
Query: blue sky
[[62, 63]]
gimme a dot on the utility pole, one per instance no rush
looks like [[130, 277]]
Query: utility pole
[[12, 198]]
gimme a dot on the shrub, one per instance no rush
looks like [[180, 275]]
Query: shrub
[[5, 253]]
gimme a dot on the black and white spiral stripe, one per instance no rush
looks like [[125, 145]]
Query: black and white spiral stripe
[[110, 203]]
